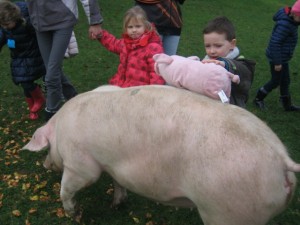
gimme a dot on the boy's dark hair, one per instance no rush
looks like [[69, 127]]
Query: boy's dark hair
[[9, 12], [221, 25]]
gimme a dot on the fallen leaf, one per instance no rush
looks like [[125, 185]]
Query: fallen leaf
[[32, 210], [27, 222], [60, 212], [34, 198], [16, 213], [136, 220]]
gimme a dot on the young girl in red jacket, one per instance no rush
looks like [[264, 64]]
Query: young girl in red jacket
[[139, 42]]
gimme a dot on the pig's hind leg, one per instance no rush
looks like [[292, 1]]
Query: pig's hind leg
[[71, 183]]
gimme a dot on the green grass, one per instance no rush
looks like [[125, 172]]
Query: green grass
[[27, 187]]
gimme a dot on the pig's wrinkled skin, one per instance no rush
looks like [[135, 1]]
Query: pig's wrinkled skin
[[174, 147]]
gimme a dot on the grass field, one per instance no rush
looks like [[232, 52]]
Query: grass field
[[29, 194]]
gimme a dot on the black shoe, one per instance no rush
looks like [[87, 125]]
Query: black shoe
[[259, 104], [287, 103], [48, 115]]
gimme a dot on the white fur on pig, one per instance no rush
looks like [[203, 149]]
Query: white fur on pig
[[190, 73], [172, 146]]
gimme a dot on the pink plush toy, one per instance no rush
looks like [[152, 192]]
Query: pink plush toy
[[190, 73]]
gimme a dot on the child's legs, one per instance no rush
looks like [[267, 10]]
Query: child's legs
[[275, 79], [28, 87], [285, 80], [53, 45], [170, 43]]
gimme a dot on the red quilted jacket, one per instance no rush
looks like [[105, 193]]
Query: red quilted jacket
[[136, 63]]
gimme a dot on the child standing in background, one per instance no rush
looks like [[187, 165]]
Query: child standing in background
[[220, 46], [279, 52], [72, 49], [136, 49], [167, 17], [26, 64]]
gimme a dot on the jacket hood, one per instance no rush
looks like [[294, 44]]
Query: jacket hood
[[284, 14], [148, 37]]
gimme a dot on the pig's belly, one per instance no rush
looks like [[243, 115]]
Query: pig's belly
[[180, 202]]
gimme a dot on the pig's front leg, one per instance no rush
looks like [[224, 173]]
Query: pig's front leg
[[70, 184], [120, 194]]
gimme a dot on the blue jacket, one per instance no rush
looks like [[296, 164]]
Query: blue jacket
[[284, 37], [26, 61]]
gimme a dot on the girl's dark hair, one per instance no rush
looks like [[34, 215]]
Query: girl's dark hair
[[221, 25], [9, 12]]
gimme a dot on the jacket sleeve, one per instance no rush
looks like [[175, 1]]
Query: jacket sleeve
[[92, 11], [153, 49], [111, 43], [245, 69], [279, 35], [2, 39]]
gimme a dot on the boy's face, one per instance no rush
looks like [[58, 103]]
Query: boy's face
[[216, 45]]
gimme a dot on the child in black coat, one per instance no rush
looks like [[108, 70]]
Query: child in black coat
[[27, 64]]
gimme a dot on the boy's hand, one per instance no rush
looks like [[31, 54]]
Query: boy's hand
[[278, 67], [217, 62]]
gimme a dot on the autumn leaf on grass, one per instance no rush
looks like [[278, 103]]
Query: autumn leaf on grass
[[1, 197], [135, 219], [40, 186], [26, 186], [27, 222], [32, 210], [60, 212], [34, 198], [16, 213]]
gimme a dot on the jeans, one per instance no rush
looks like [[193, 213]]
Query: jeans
[[53, 45], [170, 43]]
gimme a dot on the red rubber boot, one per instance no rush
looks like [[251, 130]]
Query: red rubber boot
[[32, 115], [38, 99]]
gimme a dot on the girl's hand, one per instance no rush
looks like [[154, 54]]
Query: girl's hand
[[217, 62]]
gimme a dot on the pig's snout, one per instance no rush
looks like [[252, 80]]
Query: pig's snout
[[49, 165]]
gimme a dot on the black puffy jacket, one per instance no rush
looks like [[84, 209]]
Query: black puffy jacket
[[26, 61]]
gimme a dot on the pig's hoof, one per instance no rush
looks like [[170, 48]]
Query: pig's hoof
[[117, 204], [76, 214]]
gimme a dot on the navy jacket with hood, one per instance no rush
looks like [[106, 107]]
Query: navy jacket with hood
[[26, 61], [284, 37]]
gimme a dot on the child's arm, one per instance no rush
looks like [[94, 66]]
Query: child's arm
[[154, 77], [111, 43]]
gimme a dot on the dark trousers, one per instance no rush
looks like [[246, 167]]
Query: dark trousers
[[28, 87], [279, 78]]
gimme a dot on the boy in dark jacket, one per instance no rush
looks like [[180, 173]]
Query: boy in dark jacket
[[26, 65], [279, 52], [220, 46]]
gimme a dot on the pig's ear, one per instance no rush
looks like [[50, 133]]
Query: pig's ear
[[38, 142], [163, 58]]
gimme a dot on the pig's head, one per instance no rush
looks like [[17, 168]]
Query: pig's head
[[162, 61], [41, 140]]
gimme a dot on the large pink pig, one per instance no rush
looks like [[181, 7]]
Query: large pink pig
[[173, 146]]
